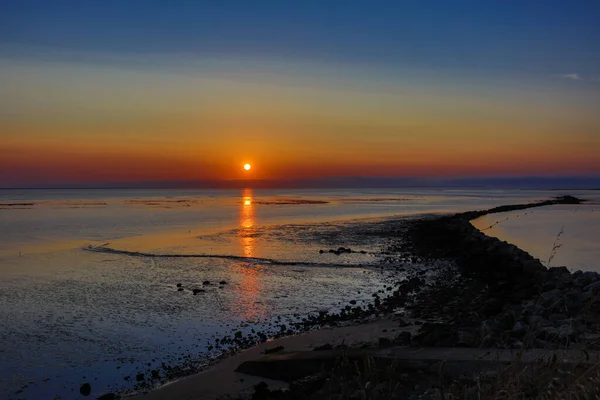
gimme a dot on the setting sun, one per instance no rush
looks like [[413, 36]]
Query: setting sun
[[247, 167]]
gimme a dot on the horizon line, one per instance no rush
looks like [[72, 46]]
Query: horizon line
[[591, 182]]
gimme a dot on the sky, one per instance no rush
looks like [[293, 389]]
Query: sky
[[135, 91]]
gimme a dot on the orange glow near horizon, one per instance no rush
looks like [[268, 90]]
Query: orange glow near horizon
[[99, 127]]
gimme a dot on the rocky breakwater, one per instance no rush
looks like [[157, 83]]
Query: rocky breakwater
[[502, 296]]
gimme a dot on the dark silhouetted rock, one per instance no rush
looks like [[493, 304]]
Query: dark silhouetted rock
[[196, 291], [403, 338], [206, 283], [274, 350], [223, 283], [326, 346], [179, 285], [85, 389]]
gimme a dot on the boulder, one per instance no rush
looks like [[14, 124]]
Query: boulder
[[403, 339], [592, 287], [85, 389]]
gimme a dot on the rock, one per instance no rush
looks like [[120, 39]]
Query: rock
[[139, 377], [592, 287], [85, 389], [465, 338], [402, 323], [155, 374], [558, 271], [223, 283], [537, 321], [180, 289], [404, 338], [561, 333], [321, 251], [352, 301], [261, 391], [196, 291], [492, 307], [274, 350], [551, 297], [205, 283], [518, 326], [589, 337], [489, 327], [557, 317], [179, 285], [326, 346]]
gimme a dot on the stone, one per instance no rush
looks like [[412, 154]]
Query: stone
[[404, 338], [557, 317], [205, 283], [402, 323], [85, 389], [179, 285], [518, 326], [465, 337], [589, 337], [196, 291], [592, 287], [274, 350], [326, 346], [223, 283]]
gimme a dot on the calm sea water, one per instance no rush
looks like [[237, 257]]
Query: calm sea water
[[69, 316]]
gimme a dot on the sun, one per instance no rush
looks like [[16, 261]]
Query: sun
[[247, 167]]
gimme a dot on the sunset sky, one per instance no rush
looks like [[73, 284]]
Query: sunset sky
[[116, 91]]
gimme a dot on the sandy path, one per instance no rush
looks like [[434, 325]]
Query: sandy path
[[222, 381]]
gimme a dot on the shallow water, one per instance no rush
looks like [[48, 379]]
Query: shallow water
[[560, 235], [69, 316]]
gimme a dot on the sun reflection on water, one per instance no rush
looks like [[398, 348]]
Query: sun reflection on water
[[250, 285], [246, 224]]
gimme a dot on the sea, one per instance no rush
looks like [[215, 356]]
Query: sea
[[97, 286]]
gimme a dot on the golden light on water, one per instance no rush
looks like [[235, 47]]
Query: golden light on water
[[250, 284]]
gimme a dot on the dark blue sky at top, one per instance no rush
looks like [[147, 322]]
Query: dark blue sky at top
[[534, 36]]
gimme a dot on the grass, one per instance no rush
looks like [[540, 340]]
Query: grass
[[543, 379], [555, 246]]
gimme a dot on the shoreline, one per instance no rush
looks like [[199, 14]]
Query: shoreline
[[427, 238]]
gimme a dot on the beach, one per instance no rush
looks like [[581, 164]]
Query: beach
[[322, 265]]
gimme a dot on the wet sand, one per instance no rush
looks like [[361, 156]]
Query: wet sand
[[222, 380]]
